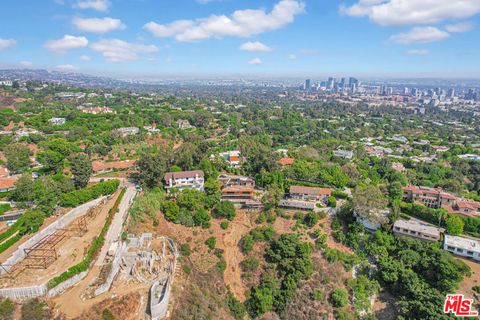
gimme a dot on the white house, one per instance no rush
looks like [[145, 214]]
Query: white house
[[232, 157], [56, 121], [184, 124], [184, 180], [461, 246], [416, 229], [346, 154]]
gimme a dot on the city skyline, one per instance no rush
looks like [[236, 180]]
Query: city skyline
[[386, 38]]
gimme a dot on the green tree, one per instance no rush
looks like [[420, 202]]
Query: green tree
[[369, 203], [339, 297], [81, 168], [170, 210], [202, 218], [211, 242], [151, 168], [454, 225], [226, 209], [18, 157]]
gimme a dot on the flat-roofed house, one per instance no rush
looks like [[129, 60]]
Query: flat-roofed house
[[238, 194], [462, 246], [232, 157], [184, 180], [309, 193], [416, 229], [227, 180]]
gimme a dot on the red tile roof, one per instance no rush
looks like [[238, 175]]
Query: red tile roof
[[7, 183], [286, 161]]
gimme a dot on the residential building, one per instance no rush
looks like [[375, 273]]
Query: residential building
[[297, 204], [346, 154], [240, 194], [97, 110], [4, 172], [309, 193], [184, 180], [416, 229], [234, 180], [7, 83], [462, 246], [56, 121], [127, 131], [397, 166], [232, 157], [7, 184], [184, 124], [286, 161]]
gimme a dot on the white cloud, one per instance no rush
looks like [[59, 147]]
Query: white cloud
[[241, 23], [412, 12], [7, 43], [85, 58], [66, 43], [97, 25], [420, 35], [26, 64], [99, 5], [255, 47], [116, 50], [255, 61], [418, 52], [66, 67], [292, 56], [460, 27]]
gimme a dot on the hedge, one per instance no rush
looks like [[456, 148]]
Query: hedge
[[95, 246], [10, 242], [78, 197], [339, 194]]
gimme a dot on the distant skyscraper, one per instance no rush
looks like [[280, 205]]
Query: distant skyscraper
[[414, 92], [451, 93], [406, 91], [331, 83], [353, 84], [308, 85]]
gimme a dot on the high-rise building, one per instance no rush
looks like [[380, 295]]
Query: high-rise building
[[451, 93], [308, 85], [331, 83]]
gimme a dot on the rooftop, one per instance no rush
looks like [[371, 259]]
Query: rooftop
[[463, 243], [417, 226]]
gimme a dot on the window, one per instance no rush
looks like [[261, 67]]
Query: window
[[451, 248], [459, 250], [470, 253]]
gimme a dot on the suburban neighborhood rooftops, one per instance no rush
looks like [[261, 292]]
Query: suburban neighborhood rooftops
[[7, 183]]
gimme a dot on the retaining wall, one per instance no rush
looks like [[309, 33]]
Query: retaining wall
[[64, 220]]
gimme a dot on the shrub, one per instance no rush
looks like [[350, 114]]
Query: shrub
[[317, 294], [250, 264], [237, 309], [221, 265], [107, 315], [211, 242], [78, 197], [224, 225], [185, 249], [226, 209], [246, 243], [6, 309], [332, 202], [339, 298]]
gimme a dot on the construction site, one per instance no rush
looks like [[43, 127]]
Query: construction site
[[55, 248]]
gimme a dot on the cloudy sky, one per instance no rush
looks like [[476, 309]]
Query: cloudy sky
[[263, 37]]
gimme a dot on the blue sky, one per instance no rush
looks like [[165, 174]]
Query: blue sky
[[418, 38]]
